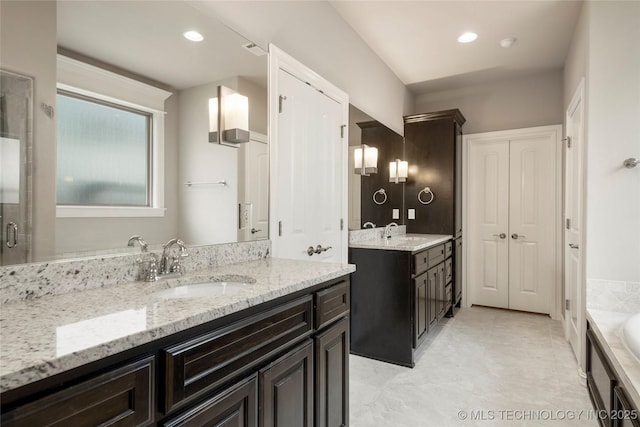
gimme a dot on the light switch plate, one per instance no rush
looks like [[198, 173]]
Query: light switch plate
[[395, 214], [411, 214]]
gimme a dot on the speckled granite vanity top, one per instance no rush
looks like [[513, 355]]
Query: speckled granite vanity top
[[402, 242], [49, 335], [607, 326]]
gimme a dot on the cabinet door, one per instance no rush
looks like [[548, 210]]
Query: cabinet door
[[441, 282], [286, 390], [123, 396], [332, 376], [237, 406], [432, 295], [458, 181], [457, 271], [624, 414], [420, 324], [600, 379]]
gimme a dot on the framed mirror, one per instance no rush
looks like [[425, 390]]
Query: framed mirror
[[374, 199], [202, 192]]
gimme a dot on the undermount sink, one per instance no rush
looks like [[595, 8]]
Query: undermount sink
[[206, 289], [631, 334]]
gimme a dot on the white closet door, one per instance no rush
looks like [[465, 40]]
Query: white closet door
[[532, 212], [488, 275], [309, 172]]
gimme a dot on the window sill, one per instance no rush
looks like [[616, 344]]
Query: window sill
[[108, 212]]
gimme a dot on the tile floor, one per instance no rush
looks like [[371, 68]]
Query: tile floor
[[509, 368]]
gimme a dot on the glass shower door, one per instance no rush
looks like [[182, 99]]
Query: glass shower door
[[16, 109]]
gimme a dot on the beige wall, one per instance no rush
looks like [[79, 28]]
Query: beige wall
[[28, 46], [613, 192], [534, 100]]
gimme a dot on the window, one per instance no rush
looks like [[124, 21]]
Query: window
[[110, 143], [104, 153]]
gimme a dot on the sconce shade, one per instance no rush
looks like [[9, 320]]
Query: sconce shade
[[228, 117], [398, 171], [368, 156], [213, 119]]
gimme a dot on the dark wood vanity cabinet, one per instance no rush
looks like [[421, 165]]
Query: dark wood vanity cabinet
[[397, 298], [281, 363], [606, 393]]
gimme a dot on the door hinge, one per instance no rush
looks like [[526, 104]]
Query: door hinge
[[280, 99], [280, 228], [568, 139], [567, 223], [567, 304], [341, 224], [342, 130]]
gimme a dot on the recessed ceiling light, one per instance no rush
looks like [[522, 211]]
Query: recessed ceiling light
[[194, 36], [467, 37], [508, 42]]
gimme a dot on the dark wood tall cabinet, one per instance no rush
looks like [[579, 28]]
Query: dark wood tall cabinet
[[433, 147]]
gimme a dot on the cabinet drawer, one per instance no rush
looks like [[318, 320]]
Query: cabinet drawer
[[448, 249], [448, 270], [332, 304], [206, 362], [123, 396], [235, 406], [420, 262], [436, 255]]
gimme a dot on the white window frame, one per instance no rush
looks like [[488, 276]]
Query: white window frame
[[84, 79]]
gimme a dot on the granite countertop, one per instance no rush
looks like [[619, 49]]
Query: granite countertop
[[403, 242], [607, 325], [49, 335]]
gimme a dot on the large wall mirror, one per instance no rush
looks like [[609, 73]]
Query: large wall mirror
[[374, 198], [211, 193]]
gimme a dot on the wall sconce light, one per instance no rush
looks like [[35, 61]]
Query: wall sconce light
[[228, 118], [367, 156], [398, 171]]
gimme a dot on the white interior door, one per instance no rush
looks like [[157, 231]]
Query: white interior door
[[488, 272], [532, 213], [309, 172], [511, 216], [254, 208], [573, 223]]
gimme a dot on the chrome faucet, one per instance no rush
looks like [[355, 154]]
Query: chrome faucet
[[387, 229], [141, 242], [172, 265], [368, 224], [147, 263]]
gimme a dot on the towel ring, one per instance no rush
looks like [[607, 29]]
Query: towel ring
[[384, 194], [425, 190]]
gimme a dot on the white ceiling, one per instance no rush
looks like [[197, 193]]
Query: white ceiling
[[418, 39], [145, 38]]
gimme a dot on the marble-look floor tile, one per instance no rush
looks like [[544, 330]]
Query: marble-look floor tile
[[484, 367]]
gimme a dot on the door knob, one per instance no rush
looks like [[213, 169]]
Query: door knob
[[320, 249], [515, 236], [310, 251], [572, 246], [255, 230], [501, 235]]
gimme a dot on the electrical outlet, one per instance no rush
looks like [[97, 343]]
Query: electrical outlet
[[411, 214], [395, 214]]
